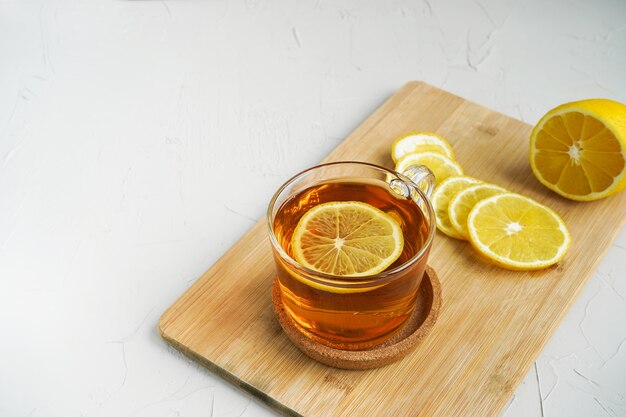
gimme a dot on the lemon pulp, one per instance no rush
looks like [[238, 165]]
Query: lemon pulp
[[578, 149], [517, 233], [347, 238]]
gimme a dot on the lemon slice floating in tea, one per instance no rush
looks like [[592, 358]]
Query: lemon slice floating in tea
[[347, 238], [517, 233]]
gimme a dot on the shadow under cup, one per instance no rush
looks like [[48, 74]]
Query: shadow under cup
[[343, 312]]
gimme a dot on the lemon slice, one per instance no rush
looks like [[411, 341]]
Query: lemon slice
[[442, 166], [445, 192], [347, 238], [462, 203], [578, 149], [517, 233], [420, 142]]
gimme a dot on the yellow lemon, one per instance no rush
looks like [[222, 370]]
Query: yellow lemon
[[462, 203], [517, 233], [578, 149], [415, 142], [442, 166], [441, 198], [347, 238]]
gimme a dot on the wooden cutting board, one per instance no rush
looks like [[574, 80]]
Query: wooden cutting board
[[493, 323]]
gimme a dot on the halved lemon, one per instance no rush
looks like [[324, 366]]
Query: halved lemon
[[442, 166], [517, 233], [445, 192], [578, 149], [463, 202], [347, 238], [420, 142]]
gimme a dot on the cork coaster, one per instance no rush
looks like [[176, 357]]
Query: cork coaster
[[417, 326]]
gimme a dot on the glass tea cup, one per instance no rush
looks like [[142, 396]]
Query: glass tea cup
[[353, 312]]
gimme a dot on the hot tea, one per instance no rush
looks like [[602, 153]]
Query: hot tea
[[352, 312]]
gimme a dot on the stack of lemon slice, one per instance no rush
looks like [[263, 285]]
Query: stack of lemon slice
[[426, 148], [510, 230]]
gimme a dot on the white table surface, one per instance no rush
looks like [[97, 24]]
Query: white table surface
[[140, 139]]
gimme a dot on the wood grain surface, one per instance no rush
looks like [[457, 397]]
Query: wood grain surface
[[493, 322]]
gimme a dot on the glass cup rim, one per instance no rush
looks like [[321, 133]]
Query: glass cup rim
[[329, 279]]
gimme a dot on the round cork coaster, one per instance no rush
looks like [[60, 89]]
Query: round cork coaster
[[413, 331]]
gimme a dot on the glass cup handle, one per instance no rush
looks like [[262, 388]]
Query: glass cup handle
[[421, 176]]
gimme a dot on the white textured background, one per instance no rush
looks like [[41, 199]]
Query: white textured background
[[140, 139]]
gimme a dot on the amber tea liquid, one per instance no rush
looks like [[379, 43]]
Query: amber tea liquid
[[352, 317]]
